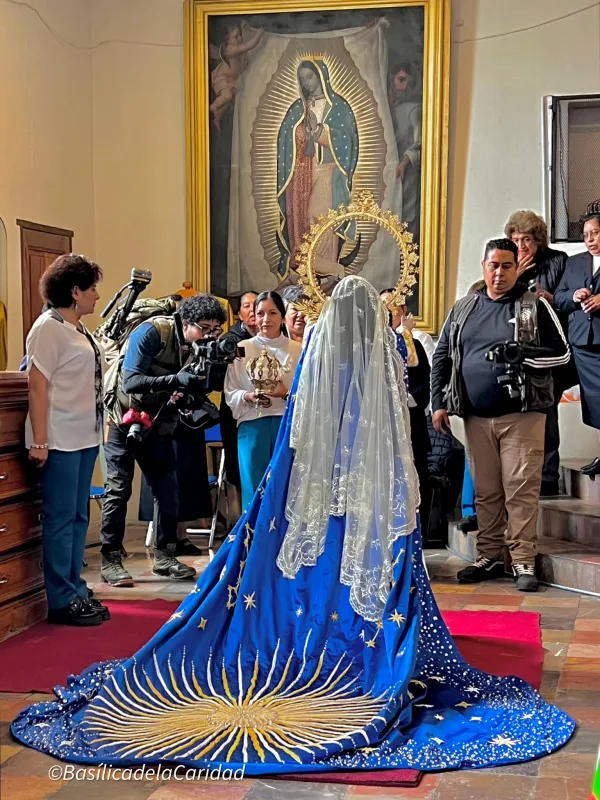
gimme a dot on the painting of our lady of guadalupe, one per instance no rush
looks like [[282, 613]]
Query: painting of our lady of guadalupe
[[317, 155], [305, 110]]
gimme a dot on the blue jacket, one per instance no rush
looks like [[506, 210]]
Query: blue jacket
[[584, 329]]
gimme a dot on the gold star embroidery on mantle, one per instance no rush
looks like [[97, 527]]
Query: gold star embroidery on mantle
[[464, 705], [335, 616], [176, 615], [396, 617], [202, 624], [249, 601], [272, 525], [299, 612], [232, 590]]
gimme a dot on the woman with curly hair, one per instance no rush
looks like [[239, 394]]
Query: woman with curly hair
[[64, 430], [541, 268], [538, 264]]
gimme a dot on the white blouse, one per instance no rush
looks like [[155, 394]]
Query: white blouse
[[66, 359], [237, 380]]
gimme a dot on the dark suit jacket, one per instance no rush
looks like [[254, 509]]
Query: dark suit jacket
[[419, 385], [584, 329]]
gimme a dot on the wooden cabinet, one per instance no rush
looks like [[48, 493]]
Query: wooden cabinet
[[22, 596]]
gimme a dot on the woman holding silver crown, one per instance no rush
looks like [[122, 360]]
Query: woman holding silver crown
[[312, 642], [257, 387]]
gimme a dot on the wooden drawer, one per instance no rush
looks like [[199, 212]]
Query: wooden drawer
[[20, 614], [20, 524], [16, 476], [20, 573], [12, 424]]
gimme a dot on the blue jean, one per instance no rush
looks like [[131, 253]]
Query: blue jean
[[256, 442], [468, 494], [65, 480]]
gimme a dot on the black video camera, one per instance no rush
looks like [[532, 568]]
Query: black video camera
[[138, 282], [208, 360], [511, 354]]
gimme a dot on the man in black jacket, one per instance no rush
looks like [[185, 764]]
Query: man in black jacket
[[540, 268], [244, 328], [579, 296], [153, 381], [503, 407]]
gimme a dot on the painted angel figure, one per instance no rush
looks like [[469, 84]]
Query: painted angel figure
[[233, 60], [312, 641]]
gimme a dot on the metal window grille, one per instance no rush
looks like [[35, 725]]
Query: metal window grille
[[574, 163]]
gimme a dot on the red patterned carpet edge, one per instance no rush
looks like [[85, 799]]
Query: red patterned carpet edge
[[36, 660]]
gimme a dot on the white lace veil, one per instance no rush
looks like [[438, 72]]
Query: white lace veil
[[351, 434]]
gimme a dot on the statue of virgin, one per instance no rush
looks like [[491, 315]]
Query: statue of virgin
[[312, 642]]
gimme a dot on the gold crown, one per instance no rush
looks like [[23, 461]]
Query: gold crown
[[362, 207], [265, 372]]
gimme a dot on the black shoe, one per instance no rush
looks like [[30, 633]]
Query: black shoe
[[467, 524], [113, 572], [592, 469], [77, 613], [96, 605], [484, 569], [166, 565], [525, 578], [549, 488], [184, 547]]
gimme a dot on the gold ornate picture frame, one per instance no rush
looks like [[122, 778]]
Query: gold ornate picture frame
[[349, 90]]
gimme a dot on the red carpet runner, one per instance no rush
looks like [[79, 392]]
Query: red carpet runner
[[500, 642]]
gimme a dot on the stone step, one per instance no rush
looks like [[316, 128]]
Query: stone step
[[577, 485], [570, 520], [559, 563]]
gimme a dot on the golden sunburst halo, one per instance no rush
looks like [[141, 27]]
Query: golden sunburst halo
[[363, 206], [179, 717]]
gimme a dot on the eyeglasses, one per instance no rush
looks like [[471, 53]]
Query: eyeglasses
[[210, 330]]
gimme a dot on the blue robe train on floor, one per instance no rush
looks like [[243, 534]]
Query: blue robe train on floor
[[282, 675]]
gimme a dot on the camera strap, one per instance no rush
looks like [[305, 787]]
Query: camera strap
[[526, 319]]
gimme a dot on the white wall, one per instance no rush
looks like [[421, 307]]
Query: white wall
[[496, 135], [139, 141], [45, 133]]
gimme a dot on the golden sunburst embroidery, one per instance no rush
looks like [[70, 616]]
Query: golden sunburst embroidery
[[175, 717]]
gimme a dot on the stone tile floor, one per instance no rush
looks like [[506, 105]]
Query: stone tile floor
[[571, 637]]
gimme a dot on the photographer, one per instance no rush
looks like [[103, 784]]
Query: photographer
[[152, 383], [503, 405]]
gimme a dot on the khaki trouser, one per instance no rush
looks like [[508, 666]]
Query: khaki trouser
[[506, 456]]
